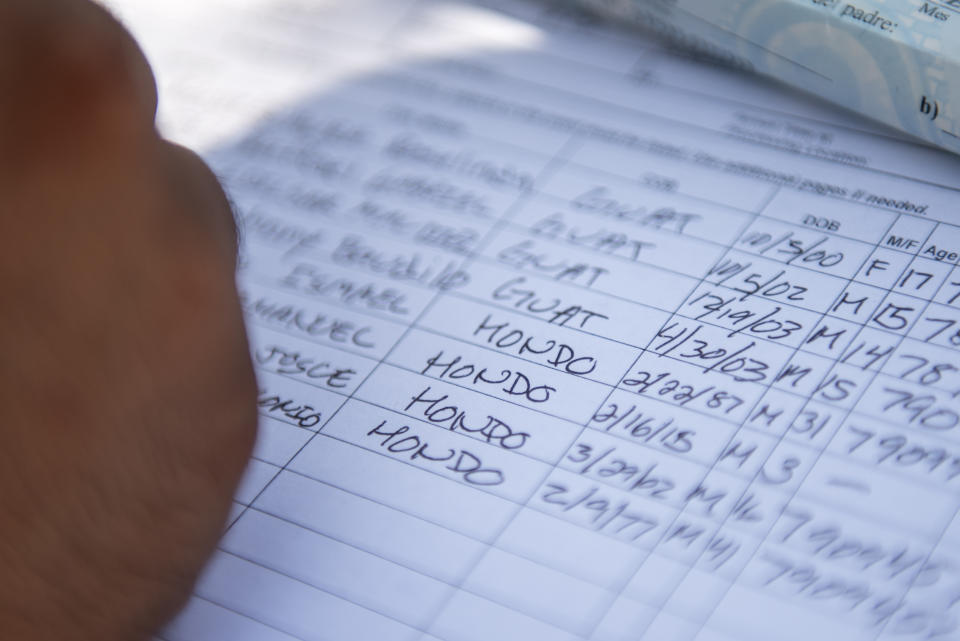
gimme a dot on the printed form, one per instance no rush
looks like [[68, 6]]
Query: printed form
[[563, 336]]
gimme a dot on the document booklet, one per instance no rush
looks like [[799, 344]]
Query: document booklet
[[562, 334]]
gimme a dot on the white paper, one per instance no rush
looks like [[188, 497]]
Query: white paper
[[564, 336]]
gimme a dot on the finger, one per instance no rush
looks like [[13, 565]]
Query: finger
[[138, 67], [198, 188], [64, 64]]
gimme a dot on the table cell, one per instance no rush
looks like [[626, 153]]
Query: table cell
[[923, 278], [775, 412], [687, 386], [206, 621], [697, 595], [848, 544], [508, 426], [654, 580], [659, 241], [757, 317], [943, 245], [787, 466], [857, 302], [468, 617], [901, 505], [599, 508], [402, 183], [831, 216], [294, 402], [939, 325], [449, 503], [897, 313], [911, 405], [318, 322], [319, 366], [814, 425], [830, 337], [908, 234], [751, 615], [572, 550], [695, 347], [436, 452], [925, 364], [870, 349], [624, 621], [884, 268], [844, 385], [255, 478], [754, 514], [712, 188], [630, 322], [354, 575], [562, 348], [582, 269], [662, 426], [532, 385], [314, 279], [804, 247], [754, 275], [462, 159], [365, 524], [277, 441], [539, 591], [949, 293], [294, 607]]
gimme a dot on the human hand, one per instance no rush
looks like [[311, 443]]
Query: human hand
[[128, 408]]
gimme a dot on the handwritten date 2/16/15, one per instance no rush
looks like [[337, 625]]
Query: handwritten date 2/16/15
[[645, 427]]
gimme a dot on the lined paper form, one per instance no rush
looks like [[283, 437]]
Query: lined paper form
[[563, 336]]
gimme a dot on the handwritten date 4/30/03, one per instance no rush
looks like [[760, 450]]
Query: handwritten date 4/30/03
[[683, 343]]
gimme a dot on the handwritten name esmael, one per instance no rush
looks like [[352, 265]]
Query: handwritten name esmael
[[574, 340]]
